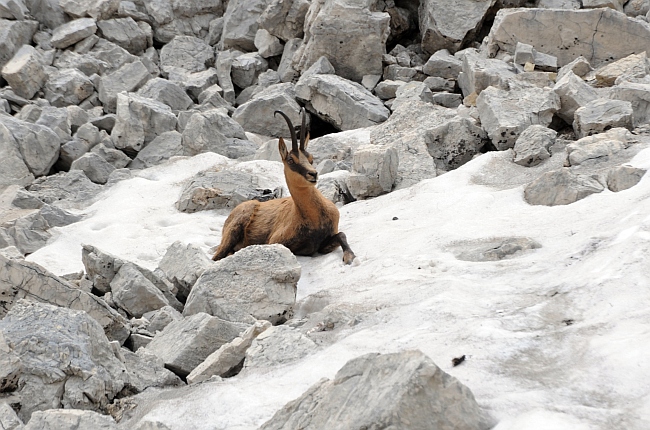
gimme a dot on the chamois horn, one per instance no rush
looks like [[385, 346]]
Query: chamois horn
[[303, 129], [294, 141]]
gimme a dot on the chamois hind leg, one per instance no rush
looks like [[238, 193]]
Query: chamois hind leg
[[234, 229], [333, 242]]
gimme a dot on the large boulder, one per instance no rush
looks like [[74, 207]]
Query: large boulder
[[63, 358], [264, 287], [567, 34], [67, 87], [124, 32], [166, 92], [278, 345], [128, 77], [162, 148], [65, 189], [638, 95], [139, 121], [187, 53], [479, 72], [505, 114], [623, 177], [574, 93], [215, 131], [533, 145], [598, 147], [561, 187], [72, 32], [257, 115], [343, 103], [374, 171], [13, 169], [240, 23], [400, 390], [285, 19], [38, 145], [24, 72], [349, 33], [450, 25], [600, 115], [70, 419], [182, 265]]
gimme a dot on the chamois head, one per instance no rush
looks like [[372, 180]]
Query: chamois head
[[298, 166]]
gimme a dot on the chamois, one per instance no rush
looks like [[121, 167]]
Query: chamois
[[305, 223]]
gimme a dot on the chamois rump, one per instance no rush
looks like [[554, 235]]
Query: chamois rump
[[305, 223]]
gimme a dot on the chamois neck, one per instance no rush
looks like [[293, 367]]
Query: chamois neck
[[307, 201]]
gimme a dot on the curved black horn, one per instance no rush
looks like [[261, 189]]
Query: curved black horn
[[303, 129], [294, 141]]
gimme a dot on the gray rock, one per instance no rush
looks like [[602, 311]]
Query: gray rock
[[636, 7], [104, 122], [129, 78], [65, 189], [240, 23], [265, 287], [225, 189], [182, 265], [600, 115], [574, 93], [71, 151], [112, 55], [195, 83], [29, 233], [623, 177], [72, 32], [595, 4], [443, 65], [387, 89], [160, 318], [146, 370], [343, 103], [579, 66], [134, 293], [166, 92], [533, 145], [187, 53], [13, 169], [229, 356], [285, 19], [633, 66], [66, 359], [444, 26], [374, 171], [639, 96], [561, 187], [215, 31], [24, 72], [13, 9], [39, 146], [478, 73], [286, 69], [223, 67], [246, 68], [48, 12], [453, 141], [70, 419], [547, 30], [214, 131], [334, 185], [25, 200], [162, 148], [94, 166], [124, 32], [278, 345], [505, 114], [359, 34], [257, 115], [98, 9], [524, 53], [267, 44], [139, 121], [57, 120], [186, 343], [380, 390], [13, 35], [447, 100], [8, 418], [493, 249], [67, 87], [598, 147], [57, 217]]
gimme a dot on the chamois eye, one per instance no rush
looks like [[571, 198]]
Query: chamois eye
[[289, 160]]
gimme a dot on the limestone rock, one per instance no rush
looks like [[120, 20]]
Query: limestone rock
[[493, 249], [343, 103], [70, 419], [445, 26], [246, 68], [94, 166], [265, 287], [13, 169], [73, 32], [186, 343], [187, 53], [146, 370], [66, 359], [505, 114], [257, 115], [533, 145], [29, 233], [139, 121], [124, 32], [134, 293], [8, 418], [454, 141], [567, 34], [623, 177], [160, 318], [65, 189], [561, 187], [98, 9], [13, 9], [639, 96], [278, 345], [374, 171], [214, 131], [600, 115], [162, 148], [478, 73], [183, 264], [286, 68], [443, 65], [129, 78], [285, 19], [13, 35], [240, 23], [574, 93], [67, 87], [24, 72], [400, 390], [166, 92], [39, 146], [229, 356], [633, 66], [598, 147], [267, 44], [350, 34]]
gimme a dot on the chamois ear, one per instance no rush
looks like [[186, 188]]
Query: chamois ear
[[283, 149]]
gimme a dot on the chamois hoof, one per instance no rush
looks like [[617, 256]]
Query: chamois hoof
[[348, 257]]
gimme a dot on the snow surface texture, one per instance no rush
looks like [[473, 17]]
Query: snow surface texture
[[555, 338]]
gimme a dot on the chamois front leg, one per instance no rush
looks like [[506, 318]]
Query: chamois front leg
[[333, 242], [234, 229]]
